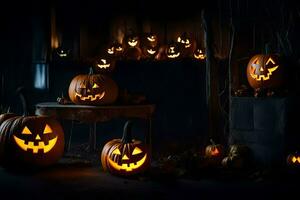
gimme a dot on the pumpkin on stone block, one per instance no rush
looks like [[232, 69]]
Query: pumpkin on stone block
[[293, 159], [125, 156], [93, 89], [265, 71], [32, 141]]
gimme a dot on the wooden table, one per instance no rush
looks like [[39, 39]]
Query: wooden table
[[94, 114]]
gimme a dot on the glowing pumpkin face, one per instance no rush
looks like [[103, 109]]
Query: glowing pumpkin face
[[133, 41], [34, 140], [264, 71], [293, 160], [172, 51], [105, 64], [93, 89], [125, 156], [199, 54], [115, 49], [150, 39], [62, 53], [150, 52]]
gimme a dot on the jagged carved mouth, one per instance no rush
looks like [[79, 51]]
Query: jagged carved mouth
[[262, 77], [128, 166], [35, 148], [174, 55], [90, 97]]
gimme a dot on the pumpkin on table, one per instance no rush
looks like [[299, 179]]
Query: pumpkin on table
[[125, 156], [93, 89], [30, 140]]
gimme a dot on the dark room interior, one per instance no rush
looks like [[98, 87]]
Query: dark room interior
[[149, 99]]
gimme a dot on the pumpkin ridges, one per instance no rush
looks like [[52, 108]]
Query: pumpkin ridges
[[105, 151]]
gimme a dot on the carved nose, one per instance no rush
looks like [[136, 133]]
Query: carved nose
[[38, 137], [261, 69], [88, 90], [125, 157]]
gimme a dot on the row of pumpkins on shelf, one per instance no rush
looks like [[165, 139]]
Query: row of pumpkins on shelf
[[146, 47]]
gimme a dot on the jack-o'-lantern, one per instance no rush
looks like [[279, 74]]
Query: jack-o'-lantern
[[31, 140], [93, 89], [105, 64], [199, 54], [115, 50], [293, 159], [173, 51], [125, 156], [186, 44], [62, 52], [150, 52], [132, 40], [265, 71], [150, 39], [213, 150]]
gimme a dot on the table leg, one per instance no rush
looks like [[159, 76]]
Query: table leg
[[92, 138]]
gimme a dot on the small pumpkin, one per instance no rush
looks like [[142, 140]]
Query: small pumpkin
[[199, 54], [213, 150], [32, 141], [93, 89], [125, 156], [115, 50], [265, 71], [105, 64], [293, 159], [187, 45], [173, 51], [239, 157]]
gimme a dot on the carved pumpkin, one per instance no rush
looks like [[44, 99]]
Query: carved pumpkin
[[199, 54], [132, 40], [30, 140], [93, 89], [150, 40], [265, 71], [293, 159], [115, 50], [105, 64], [173, 51], [186, 44], [213, 150], [150, 52], [125, 156]]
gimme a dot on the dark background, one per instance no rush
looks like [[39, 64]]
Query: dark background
[[178, 88]]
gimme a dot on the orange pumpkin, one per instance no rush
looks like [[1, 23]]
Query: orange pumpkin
[[93, 89], [265, 71], [125, 156]]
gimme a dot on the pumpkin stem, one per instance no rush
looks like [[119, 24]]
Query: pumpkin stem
[[212, 142], [127, 137], [20, 92]]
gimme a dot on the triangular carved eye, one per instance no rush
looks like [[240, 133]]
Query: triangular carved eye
[[136, 151], [47, 129], [95, 85], [82, 85], [26, 131], [117, 152], [270, 60]]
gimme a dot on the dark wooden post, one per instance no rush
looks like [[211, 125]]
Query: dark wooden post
[[211, 79]]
